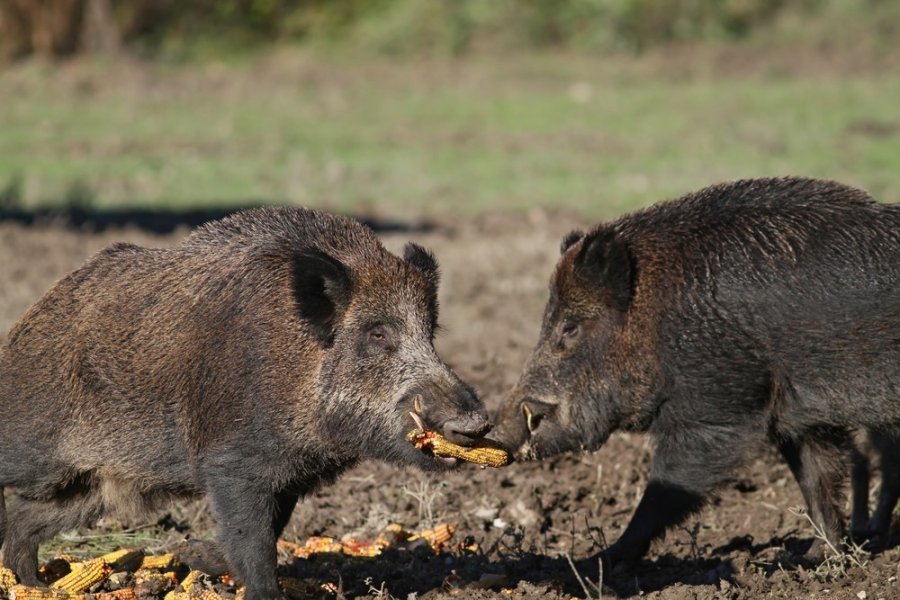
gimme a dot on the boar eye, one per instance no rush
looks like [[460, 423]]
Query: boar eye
[[571, 329], [380, 336]]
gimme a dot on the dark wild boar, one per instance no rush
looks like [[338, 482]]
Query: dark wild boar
[[258, 359], [754, 312]]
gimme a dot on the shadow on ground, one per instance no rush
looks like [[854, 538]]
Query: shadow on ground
[[164, 221]]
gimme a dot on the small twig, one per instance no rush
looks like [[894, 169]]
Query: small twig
[[584, 582]]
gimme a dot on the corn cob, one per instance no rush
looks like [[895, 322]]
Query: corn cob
[[436, 537], [162, 561], [361, 548], [480, 454], [21, 592], [123, 594], [7, 578], [83, 577], [204, 594], [126, 559], [190, 579]]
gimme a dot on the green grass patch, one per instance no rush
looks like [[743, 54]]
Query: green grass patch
[[430, 138]]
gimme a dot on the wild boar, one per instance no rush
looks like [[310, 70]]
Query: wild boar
[[255, 361], [753, 312]]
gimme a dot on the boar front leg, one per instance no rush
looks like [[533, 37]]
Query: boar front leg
[[690, 462], [245, 515], [818, 462]]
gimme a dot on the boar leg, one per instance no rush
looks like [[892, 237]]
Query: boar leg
[[34, 521], [244, 515], [689, 463], [818, 463], [207, 556], [888, 447]]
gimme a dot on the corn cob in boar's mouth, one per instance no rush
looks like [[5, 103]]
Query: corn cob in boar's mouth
[[480, 454]]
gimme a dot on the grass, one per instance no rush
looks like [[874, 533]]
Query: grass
[[586, 134]]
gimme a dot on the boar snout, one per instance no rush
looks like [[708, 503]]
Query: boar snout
[[459, 416], [467, 429]]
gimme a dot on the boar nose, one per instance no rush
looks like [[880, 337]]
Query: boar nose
[[467, 429]]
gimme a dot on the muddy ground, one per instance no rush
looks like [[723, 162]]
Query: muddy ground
[[525, 518]]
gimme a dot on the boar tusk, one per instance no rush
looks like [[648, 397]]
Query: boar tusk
[[419, 423], [417, 403], [529, 418]]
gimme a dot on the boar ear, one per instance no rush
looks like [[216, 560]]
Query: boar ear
[[322, 289], [604, 262], [423, 260], [572, 237]]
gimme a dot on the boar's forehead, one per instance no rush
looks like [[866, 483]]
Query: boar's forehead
[[567, 293], [395, 288]]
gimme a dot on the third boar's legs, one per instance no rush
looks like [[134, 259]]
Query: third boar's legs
[[887, 444], [818, 463], [859, 519], [244, 515]]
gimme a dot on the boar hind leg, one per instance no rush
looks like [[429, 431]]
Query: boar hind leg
[[34, 521], [818, 463]]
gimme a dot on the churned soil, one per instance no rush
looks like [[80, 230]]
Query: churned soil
[[514, 526]]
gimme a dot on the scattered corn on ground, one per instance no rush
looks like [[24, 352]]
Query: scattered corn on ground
[[128, 574], [481, 454]]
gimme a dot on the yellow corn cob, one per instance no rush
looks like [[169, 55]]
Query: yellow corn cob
[[7, 578], [126, 559], [480, 454], [173, 595], [204, 594], [190, 579], [21, 592], [82, 578], [436, 537], [123, 594], [163, 561]]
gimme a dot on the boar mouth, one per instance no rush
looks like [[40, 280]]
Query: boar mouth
[[415, 414]]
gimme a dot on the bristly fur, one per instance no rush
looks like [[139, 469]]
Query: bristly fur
[[253, 362], [752, 312]]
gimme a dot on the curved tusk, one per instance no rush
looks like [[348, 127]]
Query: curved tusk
[[419, 423], [529, 418], [417, 403]]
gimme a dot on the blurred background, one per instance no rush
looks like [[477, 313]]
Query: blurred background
[[485, 130], [428, 109]]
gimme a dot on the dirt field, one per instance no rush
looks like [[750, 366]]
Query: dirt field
[[524, 518]]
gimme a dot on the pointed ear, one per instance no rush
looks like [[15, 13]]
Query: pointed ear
[[322, 289], [424, 261], [572, 237], [604, 263]]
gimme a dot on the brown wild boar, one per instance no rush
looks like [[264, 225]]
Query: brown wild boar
[[255, 361], [747, 313]]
